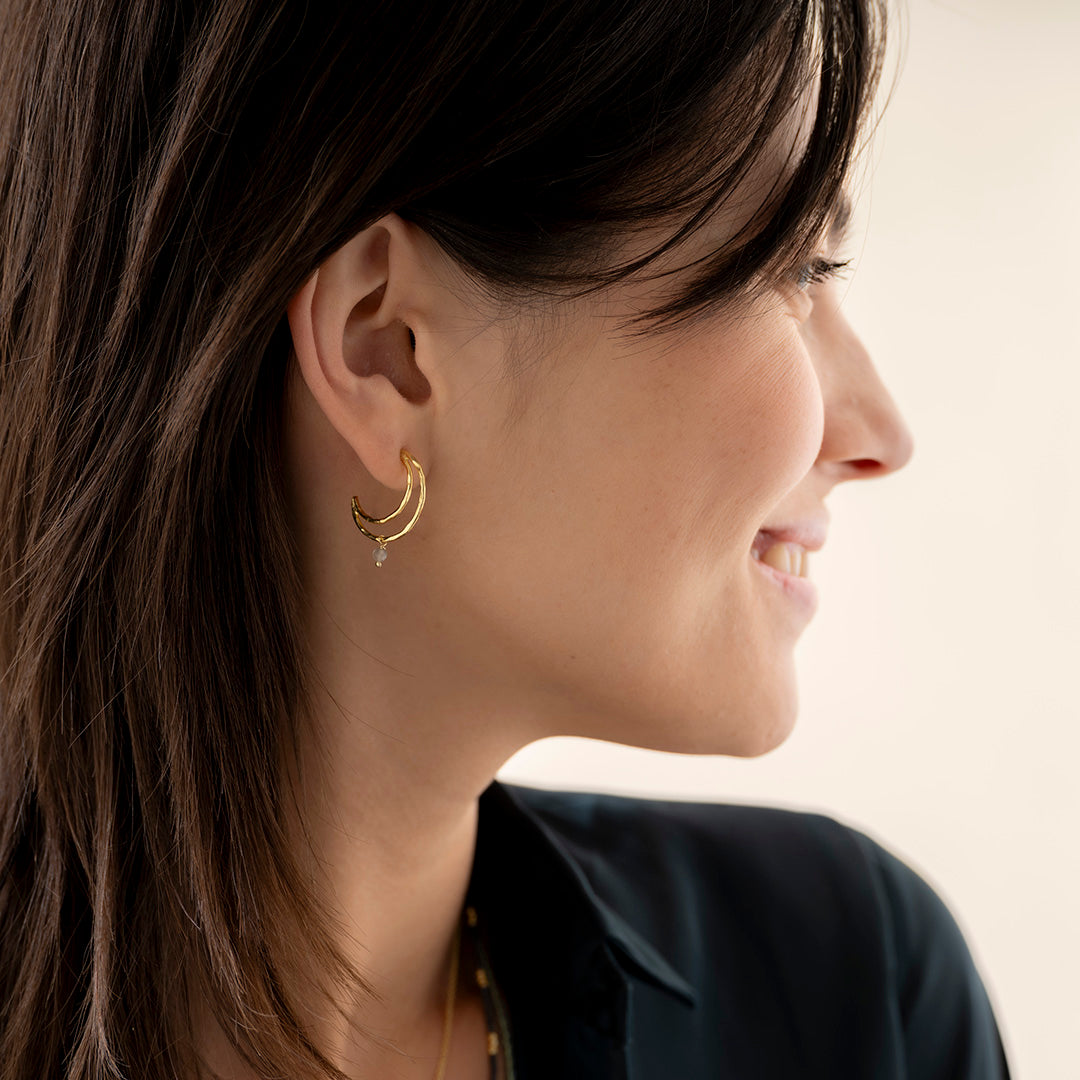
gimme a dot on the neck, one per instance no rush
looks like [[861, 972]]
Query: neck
[[391, 825]]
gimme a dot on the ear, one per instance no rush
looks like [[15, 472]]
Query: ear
[[355, 348]]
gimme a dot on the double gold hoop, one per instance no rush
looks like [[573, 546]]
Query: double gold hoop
[[359, 516]]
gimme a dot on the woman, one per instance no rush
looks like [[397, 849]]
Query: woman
[[382, 388]]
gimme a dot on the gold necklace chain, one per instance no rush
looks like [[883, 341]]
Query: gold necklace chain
[[492, 1004], [448, 1019]]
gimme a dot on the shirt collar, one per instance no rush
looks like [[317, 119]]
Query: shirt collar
[[523, 865]]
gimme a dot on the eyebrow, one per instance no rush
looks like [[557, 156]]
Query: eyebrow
[[841, 219]]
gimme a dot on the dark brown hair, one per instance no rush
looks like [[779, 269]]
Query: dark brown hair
[[170, 174]]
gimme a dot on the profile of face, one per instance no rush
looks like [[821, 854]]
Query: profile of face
[[584, 563]]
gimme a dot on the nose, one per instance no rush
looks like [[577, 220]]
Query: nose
[[865, 435]]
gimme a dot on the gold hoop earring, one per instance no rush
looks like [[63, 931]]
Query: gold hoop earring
[[380, 553]]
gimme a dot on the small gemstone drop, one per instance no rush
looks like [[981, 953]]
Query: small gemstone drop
[[379, 555]]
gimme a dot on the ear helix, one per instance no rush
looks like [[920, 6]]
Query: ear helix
[[359, 516]]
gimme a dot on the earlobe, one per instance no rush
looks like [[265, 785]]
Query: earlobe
[[357, 356]]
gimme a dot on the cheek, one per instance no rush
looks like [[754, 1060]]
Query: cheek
[[784, 422], [757, 427]]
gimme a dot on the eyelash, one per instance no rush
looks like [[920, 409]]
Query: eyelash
[[818, 270]]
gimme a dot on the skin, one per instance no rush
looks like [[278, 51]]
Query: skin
[[582, 567]]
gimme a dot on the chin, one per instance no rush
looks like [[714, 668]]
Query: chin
[[743, 734], [760, 739], [746, 711]]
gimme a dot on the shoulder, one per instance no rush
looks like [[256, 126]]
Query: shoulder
[[729, 892]]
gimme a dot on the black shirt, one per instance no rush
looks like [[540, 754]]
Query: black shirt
[[646, 939]]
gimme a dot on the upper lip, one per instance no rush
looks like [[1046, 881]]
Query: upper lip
[[809, 533]]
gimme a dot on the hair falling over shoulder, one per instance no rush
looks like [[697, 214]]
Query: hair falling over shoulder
[[170, 174]]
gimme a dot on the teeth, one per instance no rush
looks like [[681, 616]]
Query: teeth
[[786, 557]]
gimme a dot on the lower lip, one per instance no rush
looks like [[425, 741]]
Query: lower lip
[[802, 591]]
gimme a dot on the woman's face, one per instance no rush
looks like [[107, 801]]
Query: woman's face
[[593, 535], [584, 563]]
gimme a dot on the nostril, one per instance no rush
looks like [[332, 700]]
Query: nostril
[[867, 468]]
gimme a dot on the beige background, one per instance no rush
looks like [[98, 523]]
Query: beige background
[[939, 676]]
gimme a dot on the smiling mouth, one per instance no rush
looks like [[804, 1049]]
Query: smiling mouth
[[786, 557], [783, 555]]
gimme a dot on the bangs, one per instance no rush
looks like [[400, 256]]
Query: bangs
[[831, 52]]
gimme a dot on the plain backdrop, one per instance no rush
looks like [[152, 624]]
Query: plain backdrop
[[938, 680]]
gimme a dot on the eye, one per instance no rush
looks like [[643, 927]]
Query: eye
[[819, 269]]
